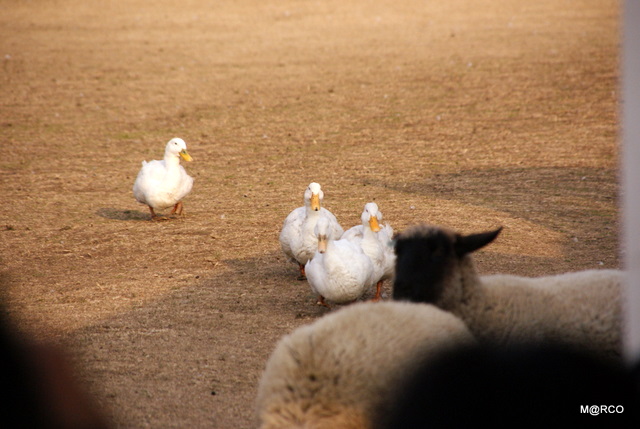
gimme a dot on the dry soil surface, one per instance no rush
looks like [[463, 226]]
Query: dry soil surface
[[465, 114]]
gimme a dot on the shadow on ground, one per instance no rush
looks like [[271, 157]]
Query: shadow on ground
[[116, 214]]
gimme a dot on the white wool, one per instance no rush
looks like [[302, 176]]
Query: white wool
[[579, 308], [339, 371]]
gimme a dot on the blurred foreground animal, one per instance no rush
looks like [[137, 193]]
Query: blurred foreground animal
[[39, 387], [339, 372], [525, 386]]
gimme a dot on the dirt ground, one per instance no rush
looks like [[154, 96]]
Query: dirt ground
[[466, 114]]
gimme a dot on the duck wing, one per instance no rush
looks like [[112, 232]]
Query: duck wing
[[291, 230]]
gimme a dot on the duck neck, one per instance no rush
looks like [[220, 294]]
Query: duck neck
[[310, 223], [368, 232], [312, 214], [171, 160]]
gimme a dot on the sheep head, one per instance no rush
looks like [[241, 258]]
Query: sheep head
[[429, 263]]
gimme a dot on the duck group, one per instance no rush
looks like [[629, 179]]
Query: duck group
[[298, 238], [340, 267]]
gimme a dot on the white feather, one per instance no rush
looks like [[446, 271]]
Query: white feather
[[163, 183]]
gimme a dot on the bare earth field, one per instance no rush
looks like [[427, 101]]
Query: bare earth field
[[466, 114]]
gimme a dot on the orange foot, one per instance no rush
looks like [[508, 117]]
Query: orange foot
[[322, 302], [303, 275], [177, 209], [378, 294], [154, 216]]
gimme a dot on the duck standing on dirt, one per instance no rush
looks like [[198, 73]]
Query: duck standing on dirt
[[164, 183], [376, 242], [340, 271], [297, 238]]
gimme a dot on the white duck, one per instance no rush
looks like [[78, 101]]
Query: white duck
[[162, 184], [297, 238], [339, 270], [376, 242]]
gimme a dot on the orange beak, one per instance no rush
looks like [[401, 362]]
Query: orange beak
[[315, 202], [373, 224], [184, 155], [322, 243]]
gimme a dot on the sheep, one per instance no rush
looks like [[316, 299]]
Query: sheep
[[581, 308], [340, 371], [520, 386]]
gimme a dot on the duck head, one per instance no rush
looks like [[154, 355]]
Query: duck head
[[313, 196], [177, 147], [322, 233], [371, 216]]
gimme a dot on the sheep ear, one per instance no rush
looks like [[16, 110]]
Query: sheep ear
[[470, 243]]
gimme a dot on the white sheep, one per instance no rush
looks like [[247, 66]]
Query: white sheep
[[580, 308], [340, 371]]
